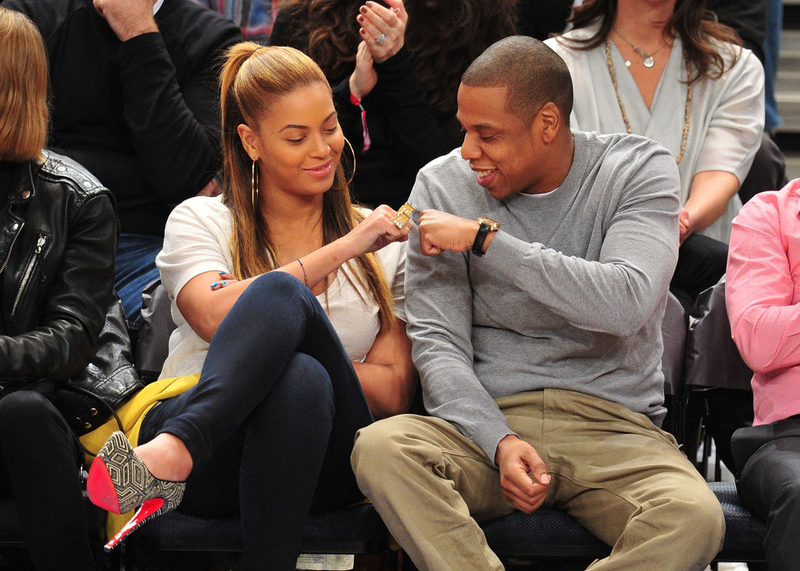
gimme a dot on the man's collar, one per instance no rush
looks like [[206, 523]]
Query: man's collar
[[157, 6]]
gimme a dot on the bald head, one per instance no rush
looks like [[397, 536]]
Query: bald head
[[533, 73]]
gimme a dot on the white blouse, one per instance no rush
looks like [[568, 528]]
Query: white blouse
[[197, 240]]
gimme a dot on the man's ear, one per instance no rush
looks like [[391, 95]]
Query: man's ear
[[550, 120], [248, 138]]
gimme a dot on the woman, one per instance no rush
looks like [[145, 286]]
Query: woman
[[58, 239], [401, 64], [666, 70], [269, 425]]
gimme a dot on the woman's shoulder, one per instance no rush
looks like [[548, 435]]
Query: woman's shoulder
[[201, 207], [197, 213]]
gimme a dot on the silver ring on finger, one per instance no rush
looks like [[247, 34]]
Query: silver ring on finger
[[380, 40]]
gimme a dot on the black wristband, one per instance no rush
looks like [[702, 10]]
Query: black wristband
[[480, 238]]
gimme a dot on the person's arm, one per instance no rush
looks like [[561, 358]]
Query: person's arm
[[414, 122], [74, 310], [708, 199], [439, 309], [205, 307], [620, 290], [174, 122], [387, 375], [759, 287], [733, 136]]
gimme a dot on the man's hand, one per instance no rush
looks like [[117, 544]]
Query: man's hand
[[439, 231], [523, 475], [128, 18]]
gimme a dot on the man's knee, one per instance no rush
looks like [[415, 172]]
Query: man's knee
[[698, 517], [380, 449]]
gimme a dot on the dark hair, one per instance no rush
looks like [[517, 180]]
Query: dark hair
[[533, 73], [697, 27], [445, 35]]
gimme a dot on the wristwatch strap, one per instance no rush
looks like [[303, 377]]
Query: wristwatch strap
[[480, 238]]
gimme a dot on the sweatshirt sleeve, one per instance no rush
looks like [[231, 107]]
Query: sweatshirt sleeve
[[620, 290], [439, 311]]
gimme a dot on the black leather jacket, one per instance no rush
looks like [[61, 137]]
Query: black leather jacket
[[58, 237]]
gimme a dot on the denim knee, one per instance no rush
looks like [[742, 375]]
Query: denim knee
[[305, 389]]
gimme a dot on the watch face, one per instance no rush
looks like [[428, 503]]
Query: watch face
[[493, 226]]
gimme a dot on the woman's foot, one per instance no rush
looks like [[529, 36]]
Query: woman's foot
[[119, 481], [167, 457]]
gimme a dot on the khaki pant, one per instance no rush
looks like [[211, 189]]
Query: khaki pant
[[612, 470]]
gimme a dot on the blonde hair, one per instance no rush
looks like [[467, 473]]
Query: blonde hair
[[24, 114], [252, 78]]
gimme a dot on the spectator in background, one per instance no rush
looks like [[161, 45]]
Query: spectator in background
[[762, 294], [669, 72], [58, 238], [135, 101], [254, 17], [402, 65]]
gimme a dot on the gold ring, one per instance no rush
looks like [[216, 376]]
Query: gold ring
[[403, 215]]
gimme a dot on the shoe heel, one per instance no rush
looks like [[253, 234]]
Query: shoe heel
[[148, 509]]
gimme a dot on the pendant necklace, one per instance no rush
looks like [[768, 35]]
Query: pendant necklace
[[647, 58], [686, 112]]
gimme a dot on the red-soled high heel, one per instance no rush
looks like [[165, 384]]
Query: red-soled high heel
[[119, 481]]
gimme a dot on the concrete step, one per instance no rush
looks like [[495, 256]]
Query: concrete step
[[789, 109]]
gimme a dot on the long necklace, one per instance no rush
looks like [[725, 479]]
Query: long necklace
[[687, 115], [647, 58]]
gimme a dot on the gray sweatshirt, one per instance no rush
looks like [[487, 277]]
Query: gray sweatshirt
[[569, 295]]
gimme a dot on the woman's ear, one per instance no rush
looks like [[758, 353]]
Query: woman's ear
[[248, 138]]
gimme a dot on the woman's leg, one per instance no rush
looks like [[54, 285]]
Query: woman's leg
[[276, 317], [299, 411], [39, 455]]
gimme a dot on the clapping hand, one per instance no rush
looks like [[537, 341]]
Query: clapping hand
[[383, 29]]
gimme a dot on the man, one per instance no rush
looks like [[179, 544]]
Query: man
[[135, 101], [538, 343], [761, 295]]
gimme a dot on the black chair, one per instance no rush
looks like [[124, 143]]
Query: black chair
[[715, 373], [353, 530]]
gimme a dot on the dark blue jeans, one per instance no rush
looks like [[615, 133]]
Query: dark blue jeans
[[274, 415], [135, 268]]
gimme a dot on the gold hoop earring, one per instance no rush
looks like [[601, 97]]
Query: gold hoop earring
[[254, 187], [352, 152]]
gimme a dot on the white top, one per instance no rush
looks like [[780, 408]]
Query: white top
[[726, 115], [197, 240]]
